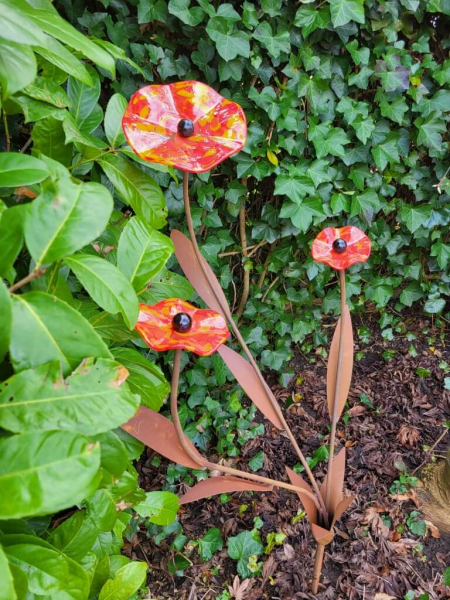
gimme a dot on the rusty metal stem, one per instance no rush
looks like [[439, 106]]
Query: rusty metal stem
[[336, 390], [237, 333], [206, 464], [318, 562]]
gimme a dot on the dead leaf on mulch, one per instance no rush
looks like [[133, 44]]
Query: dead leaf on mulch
[[373, 518], [239, 590], [408, 436], [434, 531], [384, 597]]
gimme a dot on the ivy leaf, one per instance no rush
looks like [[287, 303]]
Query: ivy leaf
[[333, 143], [395, 110], [442, 253], [182, 9], [344, 11], [411, 293], [363, 128], [414, 216], [386, 151], [127, 580], [210, 543], [310, 19], [274, 44], [430, 130], [301, 213], [229, 43], [295, 188], [160, 507]]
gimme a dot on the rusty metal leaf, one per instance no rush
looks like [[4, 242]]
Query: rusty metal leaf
[[321, 535], [310, 507], [337, 483], [222, 485], [347, 365], [342, 507], [207, 287], [158, 433], [251, 384]]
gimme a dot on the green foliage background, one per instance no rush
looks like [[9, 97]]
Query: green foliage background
[[347, 104]]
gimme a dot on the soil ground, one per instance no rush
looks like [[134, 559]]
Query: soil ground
[[373, 550]]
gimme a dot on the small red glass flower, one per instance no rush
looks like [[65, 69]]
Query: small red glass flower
[[341, 247], [187, 125], [175, 324]]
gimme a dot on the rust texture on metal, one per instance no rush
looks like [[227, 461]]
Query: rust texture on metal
[[251, 384], [347, 365], [222, 485], [158, 433]]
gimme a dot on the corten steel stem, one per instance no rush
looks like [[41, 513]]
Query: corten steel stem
[[320, 550], [336, 390], [249, 355], [206, 464]]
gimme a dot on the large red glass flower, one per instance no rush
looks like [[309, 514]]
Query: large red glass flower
[[187, 125], [341, 247], [175, 324]]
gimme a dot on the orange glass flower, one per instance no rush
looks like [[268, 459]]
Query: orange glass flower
[[341, 247], [175, 324], [187, 125]]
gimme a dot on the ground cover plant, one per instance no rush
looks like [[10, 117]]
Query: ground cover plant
[[348, 107]]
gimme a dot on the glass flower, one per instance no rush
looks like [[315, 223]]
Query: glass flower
[[175, 324], [341, 247], [187, 125]]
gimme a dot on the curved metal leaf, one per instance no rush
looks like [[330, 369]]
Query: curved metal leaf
[[346, 368], [337, 483], [251, 384], [308, 504], [207, 287], [222, 485], [158, 433]]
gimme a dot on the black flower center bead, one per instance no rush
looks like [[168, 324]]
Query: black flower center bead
[[182, 323], [339, 245], [186, 127]]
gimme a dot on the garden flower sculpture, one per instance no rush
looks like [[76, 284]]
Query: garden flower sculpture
[[189, 126]]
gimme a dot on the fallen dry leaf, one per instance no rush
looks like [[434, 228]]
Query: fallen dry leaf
[[408, 436], [384, 597], [373, 518], [434, 531], [356, 411]]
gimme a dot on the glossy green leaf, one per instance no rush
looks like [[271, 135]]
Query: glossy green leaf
[[83, 98], [145, 379], [46, 329], [160, 507], [21, 169], [61, 57], [126, 582], [106, 285], [66, 217], [41, 399], [11, 238], [229, 43], [49, 138], [6, 320], [414, 216], [17, 26], [142, 252], [113, 120], [36, 468], [344, 11], [167, 285], [137, 189], [7, 591], [114, 458], [75, 536], [17, 67]]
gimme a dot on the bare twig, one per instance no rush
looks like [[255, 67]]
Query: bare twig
[[8, 139], [33, 275], [430, 450]]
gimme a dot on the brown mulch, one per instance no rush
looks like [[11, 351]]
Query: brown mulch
[[368, 555]]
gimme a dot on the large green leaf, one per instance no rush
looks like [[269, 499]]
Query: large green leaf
[[106, 285], [47, 567], [113, 120], [45, 17], [75, 536], [7, 591], [83, 98], [61, 57], [137, 189], [66, 217], [36, 469], [21, 169], [17, 67], [142, 252], [49, 138], [41, 399], [126, 582], [168, 285], [229, 43], [5, 320], [46, 329], [18, 27], [414, 216], [11, 238], [145, 379], [160, 507], [114, 454]]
